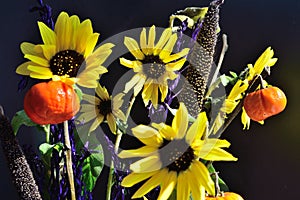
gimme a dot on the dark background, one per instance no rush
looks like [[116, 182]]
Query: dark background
[[269, 161]]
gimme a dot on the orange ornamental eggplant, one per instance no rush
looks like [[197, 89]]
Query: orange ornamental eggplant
[[226, 196], [51, 102], [264, 103]]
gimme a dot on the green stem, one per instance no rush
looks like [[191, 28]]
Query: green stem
[[116, 149], [69, 160], [48, 137]]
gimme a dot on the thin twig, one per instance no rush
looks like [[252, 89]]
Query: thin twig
[[69, 160], [222, 55]]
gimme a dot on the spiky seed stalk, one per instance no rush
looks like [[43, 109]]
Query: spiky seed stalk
[[201, 61], [20, 171]]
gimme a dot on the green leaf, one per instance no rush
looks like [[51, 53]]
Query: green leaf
[[225, 79], [78, 91], [21, 118], [46, 148], [223, 186], [233, 74], [58, 146], [92, 167]]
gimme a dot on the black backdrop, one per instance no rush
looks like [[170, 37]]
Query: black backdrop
[[269, 161]]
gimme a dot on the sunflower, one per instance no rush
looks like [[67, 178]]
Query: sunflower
[[154, 64], [171, 158], [67, 53], [102, 107]]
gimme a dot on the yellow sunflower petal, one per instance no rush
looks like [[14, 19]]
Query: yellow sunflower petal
[[129, 63], [88, 76], [63, 31], [95, 72], [91, 99], [175, 66], [171, 75], [216, 154], [229, 105], [39, 76], [262, 61], [148, 135], [87, 108], [183, 190], [166, 131], [91, 43], [165, 36], [167, 50], [147, 164], [150, 184], [147, 92], [216, 143], [167, 185], [180, 121], [194, 186], [138, 87], [48, 35], [96, 123], [22, 69], [66, 79], [272, 62], [87, 116], [37, 60], [197, 129], [48, 50], [83, 33], [74, 24], [99, 55], [237, 90], [143, 41], [118, 101], [134, 178], [111, 122], [137, 79], [41, 70], [245, 119], [86, 82], [28, 48], [203, 175], [134, 48], [140, 152], [163, 90], [176, 56], [119, 114], [151, 40], [102, 92]]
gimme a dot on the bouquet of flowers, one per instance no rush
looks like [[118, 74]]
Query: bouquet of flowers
[[154, 126]]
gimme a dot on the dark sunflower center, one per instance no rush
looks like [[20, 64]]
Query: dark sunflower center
[[153, 66], [105, 107], [177, 155], [66, 62]]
